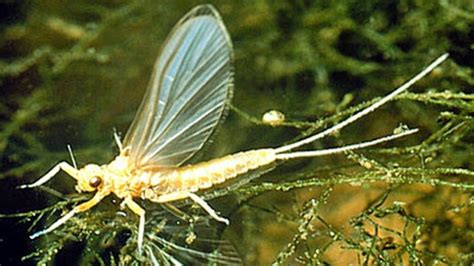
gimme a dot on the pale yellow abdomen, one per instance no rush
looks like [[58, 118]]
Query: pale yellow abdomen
[[206, 174]]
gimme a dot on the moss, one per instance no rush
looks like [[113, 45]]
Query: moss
[[70, 73]]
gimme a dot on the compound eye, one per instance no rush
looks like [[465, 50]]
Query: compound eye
[[95, 181]]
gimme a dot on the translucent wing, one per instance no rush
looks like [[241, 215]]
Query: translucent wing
[[186, 97]]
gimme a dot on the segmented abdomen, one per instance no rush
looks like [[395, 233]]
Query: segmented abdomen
[[206, 174]]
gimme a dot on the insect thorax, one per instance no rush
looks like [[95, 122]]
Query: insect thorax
[[120, 179], [158, 183]]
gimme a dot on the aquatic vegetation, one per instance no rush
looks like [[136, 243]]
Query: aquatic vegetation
[[69, 77]]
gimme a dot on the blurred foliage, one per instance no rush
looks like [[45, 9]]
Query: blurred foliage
[[72, 71]]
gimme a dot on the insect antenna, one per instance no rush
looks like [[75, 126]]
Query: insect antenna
[[366, 111], [69, 149]]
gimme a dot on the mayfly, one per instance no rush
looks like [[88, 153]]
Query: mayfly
[[186, 97]]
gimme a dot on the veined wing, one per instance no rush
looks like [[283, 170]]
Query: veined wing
[[191, 81]]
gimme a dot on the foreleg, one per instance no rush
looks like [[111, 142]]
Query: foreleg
[[60, 166], [80, 208]]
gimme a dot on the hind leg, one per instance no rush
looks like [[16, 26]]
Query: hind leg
[[186, 194], [132, 205]]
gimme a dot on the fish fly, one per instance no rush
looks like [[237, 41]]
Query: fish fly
[[191, 83]]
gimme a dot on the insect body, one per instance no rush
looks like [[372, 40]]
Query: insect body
[[190, 85], [204, 175]]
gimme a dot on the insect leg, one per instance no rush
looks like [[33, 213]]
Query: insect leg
[[81, 208], [60, 166], [186, 194], [207, 208], [141, 226], [55, 225]]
